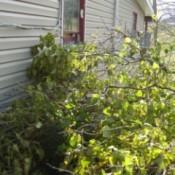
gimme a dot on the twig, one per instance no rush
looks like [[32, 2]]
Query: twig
[[134, 88], [59, 169], [5, 123]]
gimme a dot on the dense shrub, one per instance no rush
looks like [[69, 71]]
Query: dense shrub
[[93, 112]]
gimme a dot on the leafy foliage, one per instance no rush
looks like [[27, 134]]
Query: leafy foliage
[[93, 112]]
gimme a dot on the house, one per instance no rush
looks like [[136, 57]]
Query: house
[[23, 21]]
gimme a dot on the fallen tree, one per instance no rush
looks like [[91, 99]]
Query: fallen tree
[[91, 111]]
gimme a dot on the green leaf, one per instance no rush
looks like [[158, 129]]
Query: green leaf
[[95, 96], [103, 172], [111, 160], [128, 40], [27, 165], [70, 106], [38, 125], [125, 105], [92, 142], [139, 93], [106, 131], [106, 111], [166, 50], [40, 153], [15, 148], [75, 140], [18, 170], [155, 17], [122, 54], [84, 163], [118, 29], [155, 65], [128, 164], [74, 54]]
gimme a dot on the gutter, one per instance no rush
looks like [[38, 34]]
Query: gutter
[[146, 6], [150, 6], [62, 22]]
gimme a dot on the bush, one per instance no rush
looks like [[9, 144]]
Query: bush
[[93, 112]]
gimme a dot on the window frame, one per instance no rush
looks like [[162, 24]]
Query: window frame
[[77, 36], [135, 19]]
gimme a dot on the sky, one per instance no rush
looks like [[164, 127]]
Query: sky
[[166, 8]]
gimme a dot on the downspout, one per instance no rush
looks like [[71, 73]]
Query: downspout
[[116, 15], [156, 27], [62, 22], [116, 12]]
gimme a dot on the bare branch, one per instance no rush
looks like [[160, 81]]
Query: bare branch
[[134, 88], [60, 170]]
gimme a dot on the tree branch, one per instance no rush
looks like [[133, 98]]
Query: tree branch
[[134, 88], [59, 169]]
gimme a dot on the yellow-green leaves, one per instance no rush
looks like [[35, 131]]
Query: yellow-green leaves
[[70, 106], [139, 93], [122, 54], [128, 40], [155, 17], [106, 131], [128, 164], [92, 142], [107, 111], [125, 105], [95, 96], [155, 65], [111, 160], [75, 139], [118, 29]]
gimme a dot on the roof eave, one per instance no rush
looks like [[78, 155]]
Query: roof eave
[[146, 7]]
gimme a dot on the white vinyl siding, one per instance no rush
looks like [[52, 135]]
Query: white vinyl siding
[[125, 15], [99, 18], [16, 43]]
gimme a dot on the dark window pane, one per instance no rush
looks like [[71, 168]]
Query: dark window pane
[[134, 21]]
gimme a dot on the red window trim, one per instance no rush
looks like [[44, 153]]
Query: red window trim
[[134, 20], [82, 20]]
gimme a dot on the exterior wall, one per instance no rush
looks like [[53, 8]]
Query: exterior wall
[[39, 17], [125, 15], [99, 17]]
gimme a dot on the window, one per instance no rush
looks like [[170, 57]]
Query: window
[[74, 20], [71, 15], [134, 27]]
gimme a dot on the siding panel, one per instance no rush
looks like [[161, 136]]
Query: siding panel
[[13, 32], [99, 18], [30, 20], [8, 92], [47, 3], [12, 79], [16, 43], [21, 7], [7, 56], [125, 20], [9, 68]]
